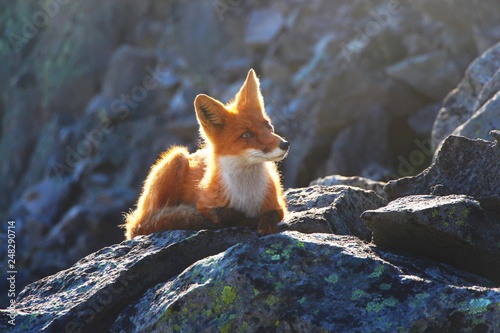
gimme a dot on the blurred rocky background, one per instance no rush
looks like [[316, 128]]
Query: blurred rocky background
[[92, 92]]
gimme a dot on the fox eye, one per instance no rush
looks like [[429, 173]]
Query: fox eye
[[247, 135]]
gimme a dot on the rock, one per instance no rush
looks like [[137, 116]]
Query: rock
[[55, 68], [354, 150], [334, 209], [147, 32], [462, 166], [453, 229], [355, 181], [130, 82], [489, 90], [421, 122], [483, 121], [112, 278], [127, 68], [414, 72], [207, 41], [46, 200], [263, 26], [462, 102], [20, 126], [323, 72], [230, 280]]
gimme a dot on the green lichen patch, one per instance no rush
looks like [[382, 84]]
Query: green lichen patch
[[332, 278], [228, 295], [377, 272], [476, 306]]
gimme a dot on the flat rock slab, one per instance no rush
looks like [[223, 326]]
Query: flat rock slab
[[330, 209], [453, 229]]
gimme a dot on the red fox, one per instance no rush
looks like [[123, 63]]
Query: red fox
[[232, 180]]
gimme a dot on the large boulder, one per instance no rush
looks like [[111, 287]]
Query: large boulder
[[484, 120], [452, 229], [95, 290], [230, 280], [479, 84], [330, 209]]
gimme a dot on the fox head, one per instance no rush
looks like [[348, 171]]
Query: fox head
[[241, 127]]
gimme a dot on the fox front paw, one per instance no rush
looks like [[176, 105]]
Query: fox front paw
[[268, 223]]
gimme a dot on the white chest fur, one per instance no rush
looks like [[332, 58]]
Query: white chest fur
[[245, 185]]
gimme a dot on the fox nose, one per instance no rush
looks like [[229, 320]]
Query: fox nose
[[284, 145]]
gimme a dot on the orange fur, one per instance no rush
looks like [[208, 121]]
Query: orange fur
[[232, 180]]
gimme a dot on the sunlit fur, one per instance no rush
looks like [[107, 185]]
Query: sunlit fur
[[235, 168]]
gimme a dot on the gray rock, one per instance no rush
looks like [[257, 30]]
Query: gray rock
[[129, 82], [355, 181], [95, 290], [453, 229], [414, 72], [228, 280], [207, 41], [483, 121], [421, 122], [354, 150], [330, 209], [263, 26], [308, 283], [462, 166], [462, 102], [47, 199], [489, 90]]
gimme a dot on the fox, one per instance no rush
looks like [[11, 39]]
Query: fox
[[231, 180]]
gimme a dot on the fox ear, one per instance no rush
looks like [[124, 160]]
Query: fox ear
[[249, 95], [210, 112]]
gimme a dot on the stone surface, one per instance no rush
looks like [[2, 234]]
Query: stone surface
[[484, 120], [354, 152], [285, 282], [413, 71], [462, 166], [330, 209], [263, 26], [92, 293], [323, 68], [462, 102], [452, 229]]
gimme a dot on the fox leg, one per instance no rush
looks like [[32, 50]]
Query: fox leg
[[228, 217], [268, 223]]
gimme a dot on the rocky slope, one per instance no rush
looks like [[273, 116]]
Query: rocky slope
[[432, 266], [92, 94]]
